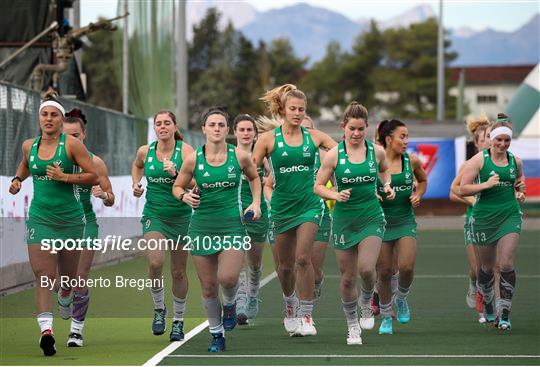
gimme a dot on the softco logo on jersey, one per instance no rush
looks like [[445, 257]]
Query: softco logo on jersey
[[168, 180], [402, 188], [43, 178], [298, 168], [231, 172], [357, 179], [306, 151], [219, 184]]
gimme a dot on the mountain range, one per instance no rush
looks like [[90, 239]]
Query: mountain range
[[311, 28]]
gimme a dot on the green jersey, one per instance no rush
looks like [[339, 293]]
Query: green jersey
[[399, 212], [293, 201], [56, 211], [53, 200], [496, 211], [85, 194], [361, 216], [160, 201], [219, 211]]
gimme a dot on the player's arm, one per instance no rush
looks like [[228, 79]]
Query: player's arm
[[520, 181], [322, 140], [183, 180], [263, 147], [421, 179], [23, 171], [250, 171], [268, 188], [328, 166], [137, 171], [455, 188], [384, 172], [104, 190], [470, 172], [80, 156]]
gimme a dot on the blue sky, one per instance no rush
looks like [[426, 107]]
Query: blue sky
[[476, 14]]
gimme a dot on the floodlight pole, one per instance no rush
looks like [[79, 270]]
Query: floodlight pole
[[440, 66], [181, 69], [125, 70]]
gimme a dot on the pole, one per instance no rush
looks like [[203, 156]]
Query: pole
[[440, 66], [461, 95], [181, 65], [125, 55]]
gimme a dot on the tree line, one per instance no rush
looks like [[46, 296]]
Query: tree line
[[394, 70]]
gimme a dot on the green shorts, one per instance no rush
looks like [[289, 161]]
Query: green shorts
[[170, 228], [258, 230], [488, 230], [283, 224], [91, 230], [325, 228], [396, 229], [209, 236], [467, 232], [348, 232], [38, 230]]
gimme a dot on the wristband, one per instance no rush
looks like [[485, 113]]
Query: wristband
[[16, 178], [387, 184]]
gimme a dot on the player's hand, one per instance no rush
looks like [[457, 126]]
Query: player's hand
[[169, 167], [15, 186], [520, 196], [415, 200], [343, 196], [520, 186], [492, 181], [55, 172], [137, 190], [256, 209], [389, 191], [98, 192], [191, 199]]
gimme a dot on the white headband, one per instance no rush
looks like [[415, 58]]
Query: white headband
[[52, 104], [501, 130]]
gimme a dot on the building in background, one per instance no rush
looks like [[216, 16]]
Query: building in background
[[489, 89]]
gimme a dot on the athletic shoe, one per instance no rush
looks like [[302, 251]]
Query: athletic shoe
[[375, 304], [386, 326], [307, 327], [217, 344], [353, 335], [46, 343], [229, 317], [75, 340], [479, 302], [253, 307], [64, 305], [481, 318], [489, 311], [504, 320], [158, 324], [291, 322], [403, 313], [177, 331], [470, 299], [367, 320]]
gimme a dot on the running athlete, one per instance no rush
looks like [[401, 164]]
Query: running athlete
[[323, 234], [400, 233], [295, 211], [164, 220], [496, 217], [247, 298], [53, 159], [216, 233], [358, 219], [75, 125], [478, 129]]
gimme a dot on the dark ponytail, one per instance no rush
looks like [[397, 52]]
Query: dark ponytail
[[386, 128]]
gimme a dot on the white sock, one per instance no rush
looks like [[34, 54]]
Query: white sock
[[254, 281], [45, 321], [229, 295], [76, 326], [179, 307], [158, 296]]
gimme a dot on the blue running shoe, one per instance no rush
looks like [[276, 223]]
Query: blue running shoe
[[386, 326], [158, 324], [403, 313], [229, 317], [217, 344], [177, 331], [489, 311], [253, 307], [504, 321]]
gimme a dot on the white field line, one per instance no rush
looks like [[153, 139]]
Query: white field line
[[382, 356], [447, 276], [174, 345]]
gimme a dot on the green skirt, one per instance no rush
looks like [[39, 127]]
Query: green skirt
[[349, 231]]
